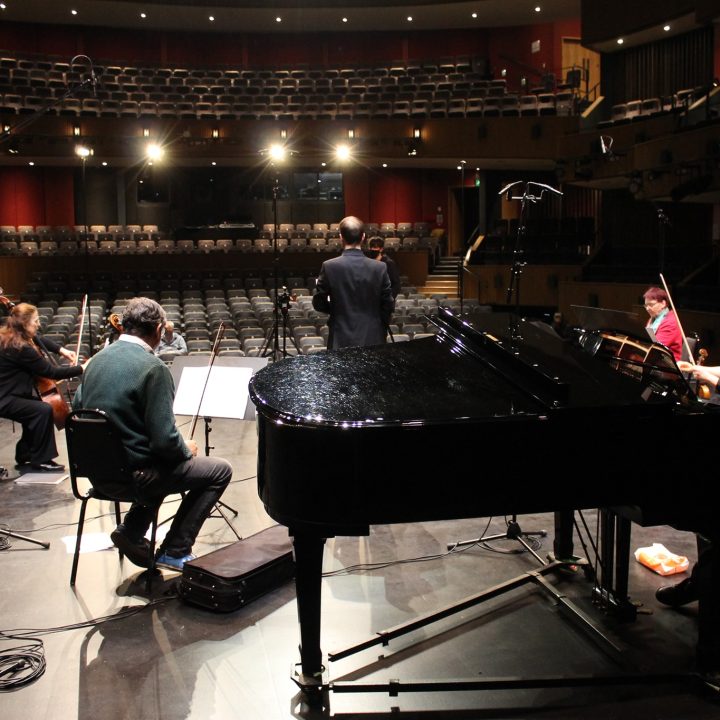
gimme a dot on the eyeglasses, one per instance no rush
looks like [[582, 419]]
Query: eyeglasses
[[651, 303]]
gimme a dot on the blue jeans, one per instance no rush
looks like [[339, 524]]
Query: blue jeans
[[201, 479]]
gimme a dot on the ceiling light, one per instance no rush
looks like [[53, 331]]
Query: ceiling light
[[143, 15], [474, 15], [76, 130], [83, 151], [351, 134], [215, 133], [409, 18], [213, 163], [666, 28], [2, 6], [31, 163], [73, 12], [384, 164], [211, 18], [344, 19], [104, 163], [620, 41], [278, 19], [537, 8], [146, 132]]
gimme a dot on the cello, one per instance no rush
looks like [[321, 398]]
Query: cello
[[49, 390]]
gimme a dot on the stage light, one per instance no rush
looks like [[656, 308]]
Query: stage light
[[153, 151], [343, 152], [83, 151], [277, 152]]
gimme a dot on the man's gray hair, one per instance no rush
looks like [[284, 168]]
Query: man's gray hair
[[351, 230], [141, 317]]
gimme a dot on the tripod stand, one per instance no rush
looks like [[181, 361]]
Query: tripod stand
[[513, 532], [5, 475], [281, 301]]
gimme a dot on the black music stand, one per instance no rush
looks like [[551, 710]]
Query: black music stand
[[222, 395]]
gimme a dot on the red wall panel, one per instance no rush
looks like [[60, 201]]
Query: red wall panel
[[36, 196]]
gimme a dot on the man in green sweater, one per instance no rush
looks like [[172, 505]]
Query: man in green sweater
[[135, 388]]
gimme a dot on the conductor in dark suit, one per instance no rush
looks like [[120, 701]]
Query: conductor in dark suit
[[355, 291]]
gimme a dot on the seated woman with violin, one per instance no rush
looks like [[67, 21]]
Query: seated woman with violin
[[23, 363], [663, 321]]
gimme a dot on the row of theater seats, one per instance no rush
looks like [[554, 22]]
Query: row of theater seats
[[412, 91], [248, 315], [313, 107], [201, 246], [626, 112]]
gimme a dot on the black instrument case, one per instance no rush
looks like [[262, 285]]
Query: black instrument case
[[232, 576]]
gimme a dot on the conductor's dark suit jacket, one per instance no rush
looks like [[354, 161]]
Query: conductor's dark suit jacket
[[356, 292]]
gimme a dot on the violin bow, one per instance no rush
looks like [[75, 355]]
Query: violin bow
[[213, 355], [677, 317]]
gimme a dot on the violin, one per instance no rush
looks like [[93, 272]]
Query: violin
[[703, 391]]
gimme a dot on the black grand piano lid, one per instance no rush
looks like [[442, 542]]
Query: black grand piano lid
[[475, 368]]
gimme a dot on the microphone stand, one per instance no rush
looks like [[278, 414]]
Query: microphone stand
[[281, 301], [513, 531], [461, 273]]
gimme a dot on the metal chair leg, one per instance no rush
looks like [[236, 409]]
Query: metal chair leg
[[76, 557]]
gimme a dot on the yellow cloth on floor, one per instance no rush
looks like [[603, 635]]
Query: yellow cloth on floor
[[658, 558]]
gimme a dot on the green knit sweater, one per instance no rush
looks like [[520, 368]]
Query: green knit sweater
[[136, 390]]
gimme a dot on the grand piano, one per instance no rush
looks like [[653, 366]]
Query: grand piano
[[462, 425]]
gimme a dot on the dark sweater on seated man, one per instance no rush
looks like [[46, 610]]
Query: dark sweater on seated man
[[135, 388]]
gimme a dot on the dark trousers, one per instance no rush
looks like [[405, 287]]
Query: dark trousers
[[37, 442], [202, 480]]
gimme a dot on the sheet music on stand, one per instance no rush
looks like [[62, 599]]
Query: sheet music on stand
[[226, 394]]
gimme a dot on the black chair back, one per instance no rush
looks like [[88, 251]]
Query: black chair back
[[96, 452]]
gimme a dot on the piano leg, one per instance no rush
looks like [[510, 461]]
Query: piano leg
[[308, 584], [611, 590]]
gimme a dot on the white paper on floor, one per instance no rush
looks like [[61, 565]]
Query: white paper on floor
[[93, 542]]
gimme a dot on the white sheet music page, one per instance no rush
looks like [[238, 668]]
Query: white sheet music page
[[226, 394]]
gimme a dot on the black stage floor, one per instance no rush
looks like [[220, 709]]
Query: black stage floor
[[171, 661]]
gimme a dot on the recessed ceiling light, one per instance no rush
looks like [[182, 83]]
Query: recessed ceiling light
[[666, 28], [213, 163], [143, 15], [31, 163], [278, 19], [73, 12], [409, 18], [2, 6], [344, 19], [104, 163], [474, 15], [211, 18], [620, 41], [537, 8], [384, 164]]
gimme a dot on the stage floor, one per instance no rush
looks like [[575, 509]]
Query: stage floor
[[172, 661]]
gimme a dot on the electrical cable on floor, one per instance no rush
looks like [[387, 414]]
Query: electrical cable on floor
[[5, 543], [23, 664]]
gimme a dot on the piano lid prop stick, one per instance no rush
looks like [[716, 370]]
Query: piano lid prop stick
[[677, 317]]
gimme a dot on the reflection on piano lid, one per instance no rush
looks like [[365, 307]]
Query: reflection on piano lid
[[592, 318]]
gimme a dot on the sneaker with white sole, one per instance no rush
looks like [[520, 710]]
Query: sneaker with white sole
[[173, 563]]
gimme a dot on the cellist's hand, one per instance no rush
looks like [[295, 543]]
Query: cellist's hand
[[685, 366], [69, 354], [193, 447]]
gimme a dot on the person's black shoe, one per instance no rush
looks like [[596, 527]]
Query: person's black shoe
[[48, 466], [20, 464], [677, 595], [136, 552]]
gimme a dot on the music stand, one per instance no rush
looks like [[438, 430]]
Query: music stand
[[224, 394]]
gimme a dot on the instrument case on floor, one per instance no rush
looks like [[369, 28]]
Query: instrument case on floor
[[228, 578]]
